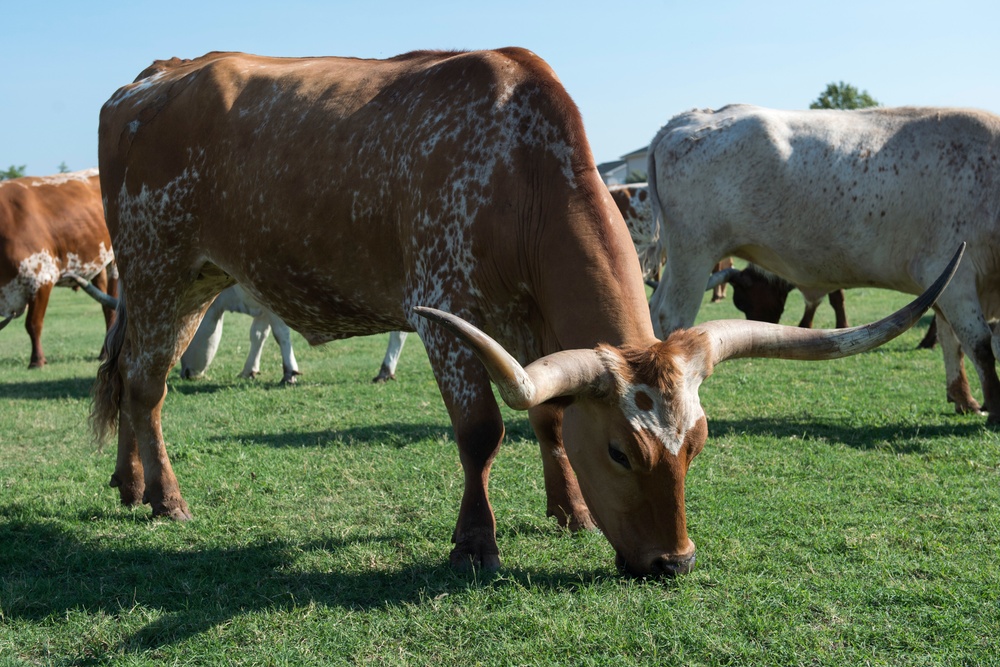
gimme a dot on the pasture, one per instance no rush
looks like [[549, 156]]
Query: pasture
[[843, 516]]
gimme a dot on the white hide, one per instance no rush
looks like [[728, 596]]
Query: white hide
[[201, 351], [834, 199]]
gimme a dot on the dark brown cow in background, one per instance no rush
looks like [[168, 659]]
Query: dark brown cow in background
[[49, 227], [761, 296], [459, 181]]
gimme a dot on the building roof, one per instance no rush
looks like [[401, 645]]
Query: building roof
[[638, 151]]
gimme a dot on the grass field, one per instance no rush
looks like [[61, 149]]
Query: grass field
[[843, 516]]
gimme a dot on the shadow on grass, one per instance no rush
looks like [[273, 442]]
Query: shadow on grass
[[78, 387], [48, 573], [394, 434], [905, 438], [397, 434]]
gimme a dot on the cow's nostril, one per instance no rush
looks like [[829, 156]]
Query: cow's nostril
[[663, 566]]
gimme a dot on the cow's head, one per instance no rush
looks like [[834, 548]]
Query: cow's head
[[634, 421], [759, 295]]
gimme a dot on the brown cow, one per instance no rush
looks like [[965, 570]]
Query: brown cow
[[761, 295], [459, 181], [50, 226]]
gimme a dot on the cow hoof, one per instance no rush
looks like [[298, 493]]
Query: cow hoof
[[581, 521], [968, 408], [129, 494], [36, 364], [383, 375], [463, 561], [575, 521]]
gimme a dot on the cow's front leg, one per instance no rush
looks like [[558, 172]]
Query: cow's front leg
[[465, 387], [564, 501], [33, 324]]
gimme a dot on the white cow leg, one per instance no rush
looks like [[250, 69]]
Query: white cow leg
[[205, 343], [392, 354], [260, 329], [283, 336]]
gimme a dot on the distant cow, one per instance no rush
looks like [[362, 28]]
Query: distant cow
[[50, 226], [633, 202], [761, 296], [424, 192], [835, 199], [205, 343]]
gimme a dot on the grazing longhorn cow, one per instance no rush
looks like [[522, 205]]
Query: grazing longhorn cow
[[50, 226], [470, 189], [836, 199]]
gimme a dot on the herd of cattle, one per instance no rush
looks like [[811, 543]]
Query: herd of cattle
[[470, 193]]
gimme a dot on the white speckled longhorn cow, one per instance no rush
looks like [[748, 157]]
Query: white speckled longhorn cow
[[836, 199], [50, 226], [457, 181]]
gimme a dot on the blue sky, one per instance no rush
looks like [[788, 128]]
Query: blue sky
[[629, 66]]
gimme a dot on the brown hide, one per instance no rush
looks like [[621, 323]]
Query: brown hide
[[49, 226]]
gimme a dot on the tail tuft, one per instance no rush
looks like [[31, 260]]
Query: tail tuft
[[107, 390]]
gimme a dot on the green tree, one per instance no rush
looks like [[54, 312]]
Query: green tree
[[636, 177], [63, 169], [13, 172], [844, 96]]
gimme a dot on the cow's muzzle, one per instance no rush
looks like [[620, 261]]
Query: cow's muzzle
[[660, 566]]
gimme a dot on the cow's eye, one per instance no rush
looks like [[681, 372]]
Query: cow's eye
[[618, 456]]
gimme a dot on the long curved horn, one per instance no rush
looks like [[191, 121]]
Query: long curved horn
[[105, 300], [721, 277], [733, 339], [565, 373]]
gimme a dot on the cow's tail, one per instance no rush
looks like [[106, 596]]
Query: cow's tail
[[107, 392], [654, 196]]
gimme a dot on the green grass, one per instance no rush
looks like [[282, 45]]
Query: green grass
[[843, 515]]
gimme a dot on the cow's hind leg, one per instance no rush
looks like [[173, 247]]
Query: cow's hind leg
[[475, 416], [157, 333]]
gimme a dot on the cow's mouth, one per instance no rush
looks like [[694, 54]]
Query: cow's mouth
[[661, 566]]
